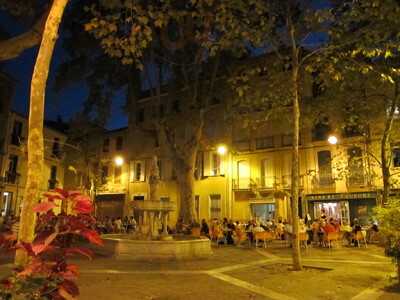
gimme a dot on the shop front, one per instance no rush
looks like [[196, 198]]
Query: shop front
[[343, 206]]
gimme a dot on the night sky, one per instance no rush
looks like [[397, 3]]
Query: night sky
[[69, 101], [65, 103]]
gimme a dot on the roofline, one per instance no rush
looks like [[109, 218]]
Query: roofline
[[44, 124], [117, 129]]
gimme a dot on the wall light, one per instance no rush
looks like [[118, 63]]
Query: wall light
[[221, 149], [332, 140], [119, 161]]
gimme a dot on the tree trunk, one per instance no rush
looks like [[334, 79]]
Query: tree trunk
[[185, 177], [296, 255], [385, 147], [35, 133]]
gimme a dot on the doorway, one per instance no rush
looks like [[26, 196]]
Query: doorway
[[262, 211], [338, 210]]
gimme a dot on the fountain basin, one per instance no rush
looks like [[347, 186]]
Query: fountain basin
[[126, 248]]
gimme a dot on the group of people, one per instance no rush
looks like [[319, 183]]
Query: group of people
[[315, 231], [116, 225]]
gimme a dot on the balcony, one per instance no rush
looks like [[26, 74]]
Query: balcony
[[148, 205], [247, 183], [53, 183], [244, 183], [357, 179], [11, 178], [16, 140], [322, 181], [287, 181]]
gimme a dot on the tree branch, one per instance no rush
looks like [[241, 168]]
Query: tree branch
[[14, 46]]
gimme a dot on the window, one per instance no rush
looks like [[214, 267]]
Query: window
[[325, 167], [242, 145], [140, 116], [355, 165], [216, 164], [176, 106], [119, 143], [243, 175], [117, 174], [53, 178], [137, 170], [16, 135], [164, 199], [160, 168], [12, 169], [321, 131], [104, 174], [106, 145], [265, 143], [266, 170], [56, 147], [396, 157], [287, 140], [317, 86], [352, 130], [215, 206]]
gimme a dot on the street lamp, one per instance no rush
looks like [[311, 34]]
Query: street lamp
[[221, 149], [119, 161], [332, 140]]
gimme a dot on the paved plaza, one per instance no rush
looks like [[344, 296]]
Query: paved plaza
[[244, 273]]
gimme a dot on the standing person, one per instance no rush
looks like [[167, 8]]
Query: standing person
[[132, 223], [204, 230], [118, 225], [229, 233]]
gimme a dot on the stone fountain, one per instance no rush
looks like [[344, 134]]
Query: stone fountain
[[147, 243]]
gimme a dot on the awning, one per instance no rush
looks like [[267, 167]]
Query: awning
[[341, 196]]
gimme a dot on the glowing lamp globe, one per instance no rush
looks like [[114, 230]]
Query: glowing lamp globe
[[332, 140], [222, 150], [119, 161]]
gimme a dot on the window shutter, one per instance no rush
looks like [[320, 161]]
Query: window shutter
[[132, 171], [207, 164], [143, 170]]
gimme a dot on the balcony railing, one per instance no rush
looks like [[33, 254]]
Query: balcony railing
[[264, 183], [356, 179], [287, 181], [53, 184], [11, 177], [321, 180], [244, 183]]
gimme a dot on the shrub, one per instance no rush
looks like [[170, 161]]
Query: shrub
[[388, 217], [48, 275]]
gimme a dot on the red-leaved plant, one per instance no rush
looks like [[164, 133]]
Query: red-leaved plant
[[48, 275]]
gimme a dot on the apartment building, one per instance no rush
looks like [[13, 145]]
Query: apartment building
[[14, 162], [251, 177]]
